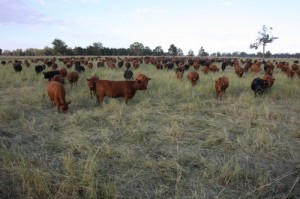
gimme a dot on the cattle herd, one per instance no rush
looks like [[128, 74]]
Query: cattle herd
[[127, 88]]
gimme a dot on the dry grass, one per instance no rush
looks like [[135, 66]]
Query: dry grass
[[171, 141]]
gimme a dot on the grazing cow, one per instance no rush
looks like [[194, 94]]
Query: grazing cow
[[259, 86], [116, 89], [73, 77], [92, 84], [58, 78], [128, 74], [48, 75], [56, 93], [193, 76], [221, 85], [39, 68]]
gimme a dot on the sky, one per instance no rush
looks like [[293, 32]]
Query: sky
[[224, 26]]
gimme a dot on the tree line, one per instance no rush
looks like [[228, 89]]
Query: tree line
[[60, 48]]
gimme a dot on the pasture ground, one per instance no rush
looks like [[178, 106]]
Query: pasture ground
[[172, 140]]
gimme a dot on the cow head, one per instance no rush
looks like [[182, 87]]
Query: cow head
[[64, 107], [142, 80]]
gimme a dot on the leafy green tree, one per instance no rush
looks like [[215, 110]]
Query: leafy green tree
[[0, 51], [264, 37], [179, 52], [18, 52], [202, 52], [191, 53], [158, 51], [98, 46], [59, 47], [147, 51], [30, 52], [48, 51], [268, 54], [173, 50], [137, 48]]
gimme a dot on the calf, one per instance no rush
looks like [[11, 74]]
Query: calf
[[193, 76], [221, 85], [92, 84], [128, 74], [116, 89], [56, 93]]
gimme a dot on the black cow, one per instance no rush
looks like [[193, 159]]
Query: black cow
[[48, 75], [17, 66], [128, 74], [259, 86], [39, 68], [79, 68]]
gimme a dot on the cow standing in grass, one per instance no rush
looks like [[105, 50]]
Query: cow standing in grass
[[116, 89], [56, 93]]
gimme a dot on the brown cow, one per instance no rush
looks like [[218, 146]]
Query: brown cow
[[73, 77], [205, 69], [269, 79], [58, 78], [193, 76], [116, 89], [238, 70], [92, 84], [213, 68], [290, 73], [255, 68], [56, 93], [221, 85], [63, 72]]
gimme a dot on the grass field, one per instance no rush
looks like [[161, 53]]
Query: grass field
[[172, 140]]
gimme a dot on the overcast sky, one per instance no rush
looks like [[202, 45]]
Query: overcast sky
[[217, 25]]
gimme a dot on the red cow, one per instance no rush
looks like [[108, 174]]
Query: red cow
[[116, 89], [56, 93], [269, 79], [221, 85], [92, 84], [213, 68], [290, 72], [58, 78], [255, 68], [73, 77], [63, 72], [205, 69], [193, 76], [239, 70]]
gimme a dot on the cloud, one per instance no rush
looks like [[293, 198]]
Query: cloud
[[17, 12]]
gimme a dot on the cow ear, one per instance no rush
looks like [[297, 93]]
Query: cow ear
[[87, 79], [69, 102]]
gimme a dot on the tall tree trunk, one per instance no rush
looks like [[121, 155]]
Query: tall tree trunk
[[264, 45]]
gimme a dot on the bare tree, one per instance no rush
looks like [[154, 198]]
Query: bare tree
[[265, 36]]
